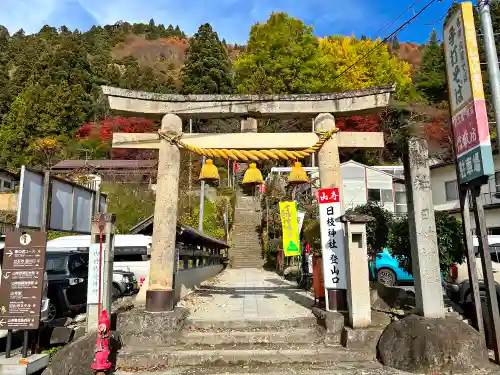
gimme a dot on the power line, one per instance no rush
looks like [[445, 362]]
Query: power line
[[399, 16], [385, 39]]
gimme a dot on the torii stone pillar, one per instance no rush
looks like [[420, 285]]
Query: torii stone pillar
[[249, 125], [329, 175], [160, 295]]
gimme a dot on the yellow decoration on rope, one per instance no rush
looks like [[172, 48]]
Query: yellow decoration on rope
[[298, 174], [251, 155], [253, 175], [209, 171]]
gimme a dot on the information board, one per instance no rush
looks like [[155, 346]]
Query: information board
[[332, 239], [21, 288], [471, 135]]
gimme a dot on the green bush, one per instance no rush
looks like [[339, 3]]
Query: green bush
[[449, 237]]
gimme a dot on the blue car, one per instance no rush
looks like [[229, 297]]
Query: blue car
[[386, 270]]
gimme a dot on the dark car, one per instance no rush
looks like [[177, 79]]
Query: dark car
[[67, 274]]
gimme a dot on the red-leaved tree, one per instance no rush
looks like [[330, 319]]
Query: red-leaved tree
[[101, 134]]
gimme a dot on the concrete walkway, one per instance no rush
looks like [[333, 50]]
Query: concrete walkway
[[250, 294]]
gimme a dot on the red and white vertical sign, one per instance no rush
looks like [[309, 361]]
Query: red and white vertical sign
[[332, 239]]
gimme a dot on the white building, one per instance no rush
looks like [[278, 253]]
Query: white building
[[362, 184], [445, 194]]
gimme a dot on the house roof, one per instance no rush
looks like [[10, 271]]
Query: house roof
[[14, 175], [184, 233], [105, 164]]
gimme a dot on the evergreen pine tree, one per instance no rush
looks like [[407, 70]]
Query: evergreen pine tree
[[430, 80], [207, 68]]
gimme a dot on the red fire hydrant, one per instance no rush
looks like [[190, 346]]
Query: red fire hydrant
[[102, 351]]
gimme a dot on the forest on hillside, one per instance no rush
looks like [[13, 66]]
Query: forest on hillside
[[51, 107]]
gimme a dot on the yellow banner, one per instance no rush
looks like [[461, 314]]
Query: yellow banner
[[291, 242], [472, 51]]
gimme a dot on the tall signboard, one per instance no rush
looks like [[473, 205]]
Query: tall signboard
[[467, 103], [21, 289], [332, 239], [290, 226], [473, 152]]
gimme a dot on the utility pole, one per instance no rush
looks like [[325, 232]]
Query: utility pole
[[202, 201], [492, 59]]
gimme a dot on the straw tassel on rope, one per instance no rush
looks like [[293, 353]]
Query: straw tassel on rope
[[250, 156]]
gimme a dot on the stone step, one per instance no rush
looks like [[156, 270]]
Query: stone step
[[324, 368], [250, 325], [143, 358], [304, 336]]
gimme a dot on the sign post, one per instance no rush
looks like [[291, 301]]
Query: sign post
[[21, 289], [472, 147], [291, 242], [332, 249]]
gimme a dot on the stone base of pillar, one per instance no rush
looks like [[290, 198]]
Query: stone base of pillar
[[160, 300], [337, 300], [139, 328]]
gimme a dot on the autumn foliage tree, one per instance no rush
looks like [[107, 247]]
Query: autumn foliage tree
[[96, 137]]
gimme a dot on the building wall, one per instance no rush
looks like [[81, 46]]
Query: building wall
[[7, 182], [8, 201], [441, 175]]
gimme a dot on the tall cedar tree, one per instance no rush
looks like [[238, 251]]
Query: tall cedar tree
[[430, 80], [207, 68]]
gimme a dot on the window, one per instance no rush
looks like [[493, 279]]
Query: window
[[7, 184], [56, 264], [451, 190], [400, 205], [374, 195], [380, 195]]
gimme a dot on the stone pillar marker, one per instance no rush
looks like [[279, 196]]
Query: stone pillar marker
[[249, 125], [160, 294], [423, 236], [329, 175], [358, 285]]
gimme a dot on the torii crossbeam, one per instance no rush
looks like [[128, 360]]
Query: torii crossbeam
[[160, 293]]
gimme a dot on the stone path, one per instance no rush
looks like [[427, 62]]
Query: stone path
[[250, 294]]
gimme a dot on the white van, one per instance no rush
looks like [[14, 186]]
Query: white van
[[131, 251]]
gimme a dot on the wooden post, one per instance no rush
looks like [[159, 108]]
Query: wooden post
[[423, 236], [160, 295], [484, 250]]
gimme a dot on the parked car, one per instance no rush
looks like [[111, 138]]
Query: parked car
[[67, 283], [124, 283], [385, 269], [131, 251]]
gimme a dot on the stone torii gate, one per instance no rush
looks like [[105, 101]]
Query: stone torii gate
[[172, 109]]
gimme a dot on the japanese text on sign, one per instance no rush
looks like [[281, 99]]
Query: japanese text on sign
[[468, 108], [291, 241], [332, 239], [457, 63], [93, 281], [22, 280]]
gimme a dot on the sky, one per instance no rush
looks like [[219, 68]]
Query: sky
[[232, 19]]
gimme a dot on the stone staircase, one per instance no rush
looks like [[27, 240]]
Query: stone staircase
[[247, 346], [246, 251]]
